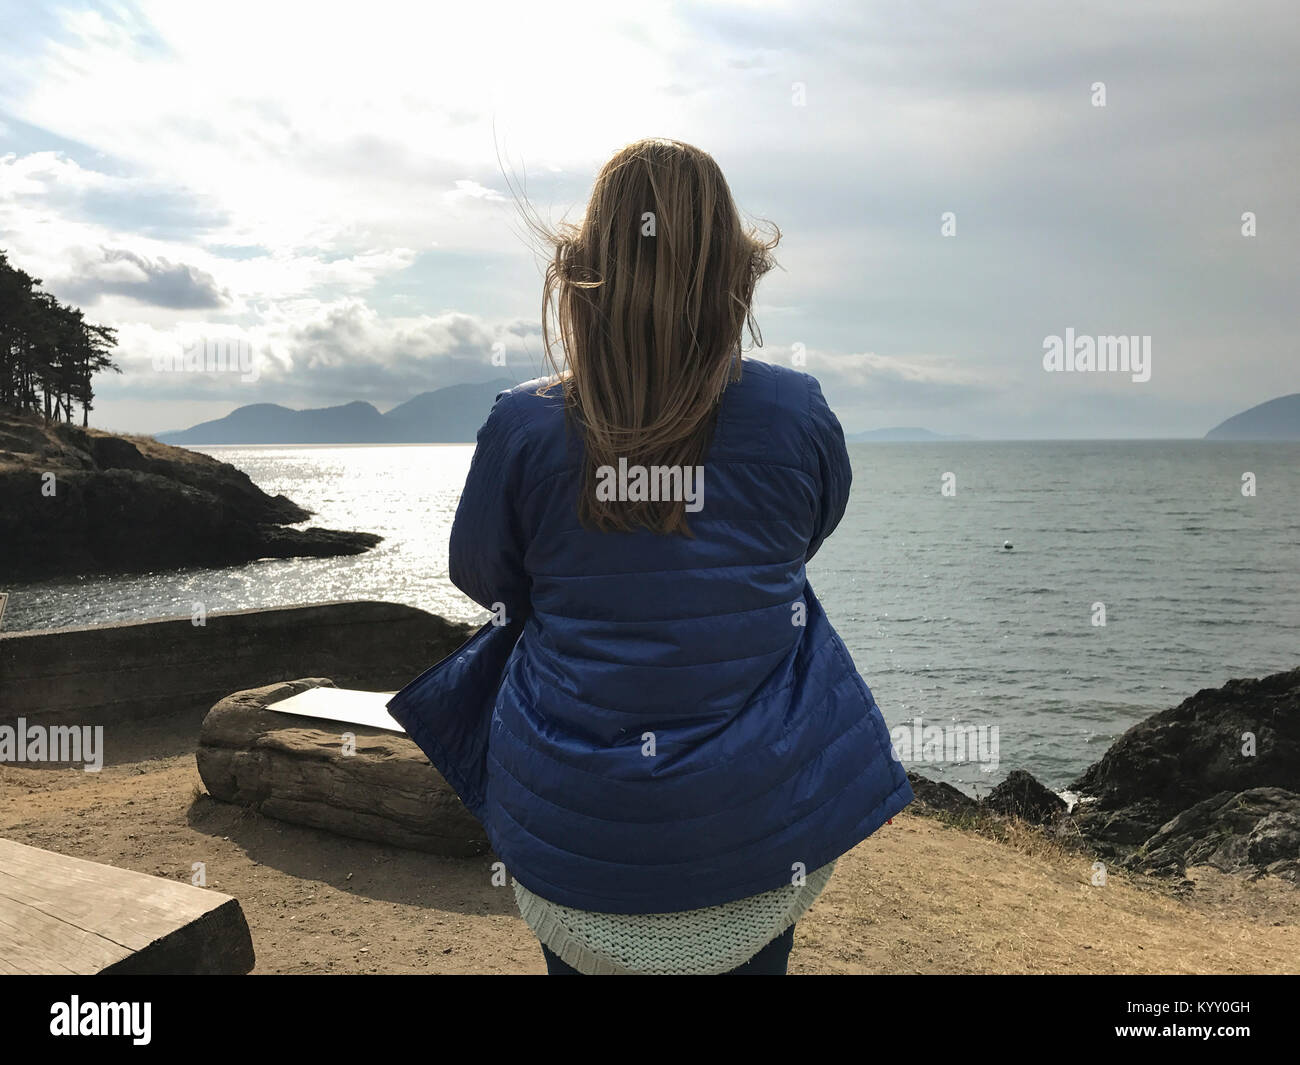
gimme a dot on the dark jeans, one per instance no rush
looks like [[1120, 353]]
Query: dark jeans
[[770, 961]]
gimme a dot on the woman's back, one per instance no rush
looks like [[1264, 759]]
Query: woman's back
[[644, 603], [678, 726]]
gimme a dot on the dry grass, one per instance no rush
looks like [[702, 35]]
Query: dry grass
[[51, 444], [1013, 832], [923, 895]]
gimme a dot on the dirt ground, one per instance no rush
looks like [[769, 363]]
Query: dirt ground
[[918, 897]]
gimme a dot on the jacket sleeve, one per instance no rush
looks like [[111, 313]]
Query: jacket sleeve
[[830, 465], [486, 553]]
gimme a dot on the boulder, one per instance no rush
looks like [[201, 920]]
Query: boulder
[[935, 795], [298, 769], [1213, 781], [1243, 736], [1020, 795], [1255, 832]]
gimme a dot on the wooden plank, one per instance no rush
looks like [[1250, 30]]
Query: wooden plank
[[60, 914]]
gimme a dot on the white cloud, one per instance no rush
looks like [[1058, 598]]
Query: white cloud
[[325, 352], [472, 190], [351, 160]]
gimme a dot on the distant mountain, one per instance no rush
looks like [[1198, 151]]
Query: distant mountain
[[1278, 419], [449, 415], [269, 423], [906, 434]]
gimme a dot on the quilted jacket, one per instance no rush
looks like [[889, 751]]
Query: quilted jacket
[[657, 723]]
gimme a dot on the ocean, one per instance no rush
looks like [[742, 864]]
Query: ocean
[[1195, 581]]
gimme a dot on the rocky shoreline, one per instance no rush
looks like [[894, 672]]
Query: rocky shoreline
[[79, 500], [1212, 781]]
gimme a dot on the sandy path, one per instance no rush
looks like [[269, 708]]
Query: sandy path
[[919, 897]]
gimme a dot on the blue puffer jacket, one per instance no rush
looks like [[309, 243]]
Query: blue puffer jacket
[[769, 753]]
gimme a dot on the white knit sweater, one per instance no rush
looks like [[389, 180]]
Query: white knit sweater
[[706, 941]]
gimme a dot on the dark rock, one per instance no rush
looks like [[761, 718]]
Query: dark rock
[[319, 543], [1255, 832], [1275, 840], [1020, 795], [123, 505], [1190, 753], [938, 796], [1212, 781], [114, 453]]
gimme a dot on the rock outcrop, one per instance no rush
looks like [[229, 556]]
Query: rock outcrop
[[935, 796], [77, 500], [1228, 740], [1255, 832], [1020, 795], [1212, 781]]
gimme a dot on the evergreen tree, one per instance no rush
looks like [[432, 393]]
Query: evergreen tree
[[49, 353]]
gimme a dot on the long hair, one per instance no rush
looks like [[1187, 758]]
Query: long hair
[[651, 294]]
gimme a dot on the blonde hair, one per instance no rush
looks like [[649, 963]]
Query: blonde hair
[[651, 293]]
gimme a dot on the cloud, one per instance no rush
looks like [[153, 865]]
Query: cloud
[[159, 282], [52, 181], [135, 248], [347, 348], [472, 190], [326, 353], [338, 200], [869, 381]]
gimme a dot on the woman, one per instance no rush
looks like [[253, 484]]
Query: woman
[[680, 746]]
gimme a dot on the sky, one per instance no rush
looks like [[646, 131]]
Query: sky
[[329, 186]]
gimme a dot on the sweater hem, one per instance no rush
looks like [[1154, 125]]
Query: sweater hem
[[580, 948]]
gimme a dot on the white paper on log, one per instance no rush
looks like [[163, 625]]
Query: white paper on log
[[342, 704]]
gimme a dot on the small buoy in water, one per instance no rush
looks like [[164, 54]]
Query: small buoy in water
[[1006, 545]]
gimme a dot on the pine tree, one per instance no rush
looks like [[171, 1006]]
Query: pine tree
[[49, 353]]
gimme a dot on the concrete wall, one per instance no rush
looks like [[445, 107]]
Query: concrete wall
[[108, 673]]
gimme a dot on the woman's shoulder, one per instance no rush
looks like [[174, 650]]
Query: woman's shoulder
[[529, 402], [761, 383], [528, 419], [771, 384], [768, 414]]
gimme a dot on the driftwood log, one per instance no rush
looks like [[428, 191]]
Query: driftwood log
[[295, 769]]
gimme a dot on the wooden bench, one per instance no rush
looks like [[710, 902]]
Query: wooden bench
[[62, 915]]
